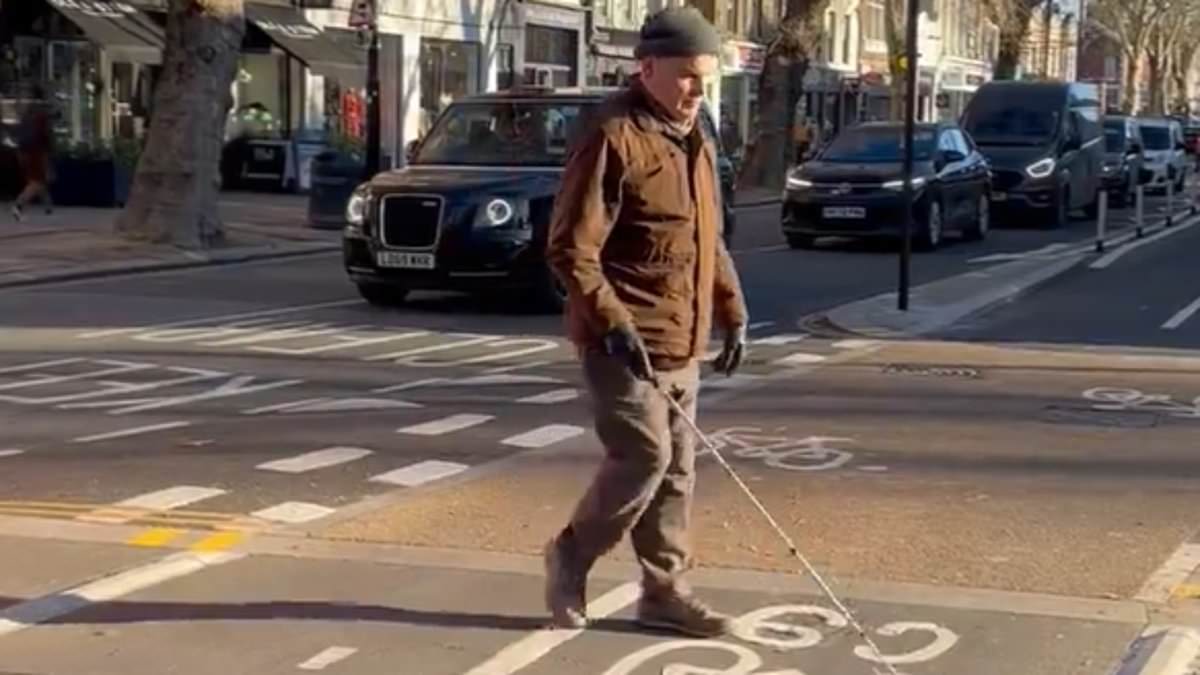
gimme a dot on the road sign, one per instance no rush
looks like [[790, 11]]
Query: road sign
[[362, 14]]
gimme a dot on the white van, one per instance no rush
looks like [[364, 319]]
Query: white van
[[1166, 153]]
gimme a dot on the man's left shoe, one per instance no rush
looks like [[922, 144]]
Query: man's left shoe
[[682, 614]]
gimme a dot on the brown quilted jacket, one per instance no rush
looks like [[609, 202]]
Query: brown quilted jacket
[[634, 236]]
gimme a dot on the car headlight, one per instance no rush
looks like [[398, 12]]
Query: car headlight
[[356, 207], [795, 182], [500, 211], [917, 182], [1040, 168]]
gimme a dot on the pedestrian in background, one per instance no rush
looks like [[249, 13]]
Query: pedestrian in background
[[35, 141], [635, 241]]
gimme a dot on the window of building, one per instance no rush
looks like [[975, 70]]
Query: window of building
[[847, 29], [449, 70], [829, 48], [873, 21], [551, 56], [506, 76]]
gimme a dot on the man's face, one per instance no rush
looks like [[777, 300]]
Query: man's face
[[677, 82]]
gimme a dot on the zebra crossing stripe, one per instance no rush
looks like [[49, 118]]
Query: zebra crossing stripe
[[317, 459]]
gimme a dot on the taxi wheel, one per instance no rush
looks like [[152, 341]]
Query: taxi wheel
[[382, 295]]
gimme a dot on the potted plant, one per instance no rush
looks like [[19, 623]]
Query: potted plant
[[95, 174]]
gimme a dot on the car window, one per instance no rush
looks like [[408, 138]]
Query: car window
[[877, 144], [1155, 137], [1013, 122], [504, 133], [946, 142], [959, 142]]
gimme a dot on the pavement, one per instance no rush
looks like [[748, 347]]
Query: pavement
[[79, 242], [247, 468]]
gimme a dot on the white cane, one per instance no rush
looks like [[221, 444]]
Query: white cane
[[791, 545]]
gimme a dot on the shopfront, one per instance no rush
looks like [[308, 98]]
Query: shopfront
[[957, 86], [741, 67], [554, 47], [612, 62], [450, 69]]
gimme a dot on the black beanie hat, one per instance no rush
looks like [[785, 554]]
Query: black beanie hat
[[678, 31]]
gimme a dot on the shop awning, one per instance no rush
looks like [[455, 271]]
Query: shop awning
[[126, 33], [323, 51]]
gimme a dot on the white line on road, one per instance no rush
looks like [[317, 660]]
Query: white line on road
[[780, 340], [11, 452], [760, 324], [159, 500], [40, 610], [853, 343], [420, 473], [222, 317], [799, 359], [552, 396], [759, 249], [327, 658], [445, 425], [1174, 571], [293, 513], [543, 436], [529, 649], [1162, 650], [317, 459], [1182, 315], [1117, 253], [135, 431]]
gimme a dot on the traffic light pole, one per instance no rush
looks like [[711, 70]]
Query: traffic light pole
[[373, 121], [910, 112]]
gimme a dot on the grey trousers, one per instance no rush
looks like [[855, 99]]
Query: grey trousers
[[644, 486]]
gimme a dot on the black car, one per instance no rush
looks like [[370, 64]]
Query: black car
[[853, 187], [1044, 142], [1123, 158], [471, 210]]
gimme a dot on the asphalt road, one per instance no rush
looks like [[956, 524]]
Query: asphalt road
[[207, 409]]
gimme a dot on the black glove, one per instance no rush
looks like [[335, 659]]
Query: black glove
[[734, 351], [625, 342]]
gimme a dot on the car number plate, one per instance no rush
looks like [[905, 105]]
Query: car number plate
[[418, 261], [844, 212], [999, 196]]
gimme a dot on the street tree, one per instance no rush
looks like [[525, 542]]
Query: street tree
[[1014, 19], [173, 198], [780, 86], [1172, 38], [1132, 23]]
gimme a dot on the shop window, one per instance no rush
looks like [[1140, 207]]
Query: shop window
[[551, 56], [449, 70], [506, 76]]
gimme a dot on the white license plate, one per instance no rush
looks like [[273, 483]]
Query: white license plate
[[999, 196], [417, 261], [844, 212]]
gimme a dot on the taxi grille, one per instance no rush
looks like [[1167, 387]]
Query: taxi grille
[[410, 221]]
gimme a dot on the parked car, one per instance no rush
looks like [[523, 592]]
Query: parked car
[[471, 210], [1166, 153], [1044, 143], [853, 187], [1123, 158]]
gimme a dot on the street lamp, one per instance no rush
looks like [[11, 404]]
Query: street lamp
[[910, 111]]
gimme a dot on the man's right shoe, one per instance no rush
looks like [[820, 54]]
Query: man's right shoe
[[684, 614], [566, 588]]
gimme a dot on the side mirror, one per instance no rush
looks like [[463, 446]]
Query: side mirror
[[945, 157], [1145, 176], [1135, 148]]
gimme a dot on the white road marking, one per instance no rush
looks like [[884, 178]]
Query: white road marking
[[279, 407], [160, 500], [552, 396], [40, 610], [1182, 315], [409, 385], [406, 355], [518, 366], [503, 379], [531, 648], [293, 513], [1162, 650], [543, 436], [11, 452], [855, 344], [317, 459], [420, 473], [348, 405], [799, 359], [1174, 571], [779, 340], [873, 468], [135, 431], [40, 364], [760, 324], [224, 317], [446, 425], [327, 658], [1117, 253]]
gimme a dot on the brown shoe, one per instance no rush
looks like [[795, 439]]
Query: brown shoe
[[566, 588], [682, 614]]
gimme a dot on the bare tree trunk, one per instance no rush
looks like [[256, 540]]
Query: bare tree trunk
[[173, 198], [1154, 62], [771, 150], [1014, 27], [1133, 93], [1181, 66]]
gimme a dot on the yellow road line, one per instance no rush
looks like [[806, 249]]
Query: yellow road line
[[159, 536], [1186, 591], [165, 518], [217, 542]]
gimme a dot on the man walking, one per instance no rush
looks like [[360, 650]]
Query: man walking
[[635, 241]]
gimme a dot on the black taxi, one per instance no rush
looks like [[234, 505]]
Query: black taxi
[[471, 209]]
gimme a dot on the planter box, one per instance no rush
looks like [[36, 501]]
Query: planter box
[[90, 182]]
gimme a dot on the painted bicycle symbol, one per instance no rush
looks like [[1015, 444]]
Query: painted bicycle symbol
[[765, 627], [1117, 398], [812, 453]]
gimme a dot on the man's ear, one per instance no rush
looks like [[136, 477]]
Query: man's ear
[[647, 67]]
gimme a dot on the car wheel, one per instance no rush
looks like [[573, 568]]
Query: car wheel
[[382, 295], [983, 219], [930, 236], [801, 241]]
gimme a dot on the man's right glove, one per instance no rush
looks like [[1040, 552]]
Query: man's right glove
[[625, 342]]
